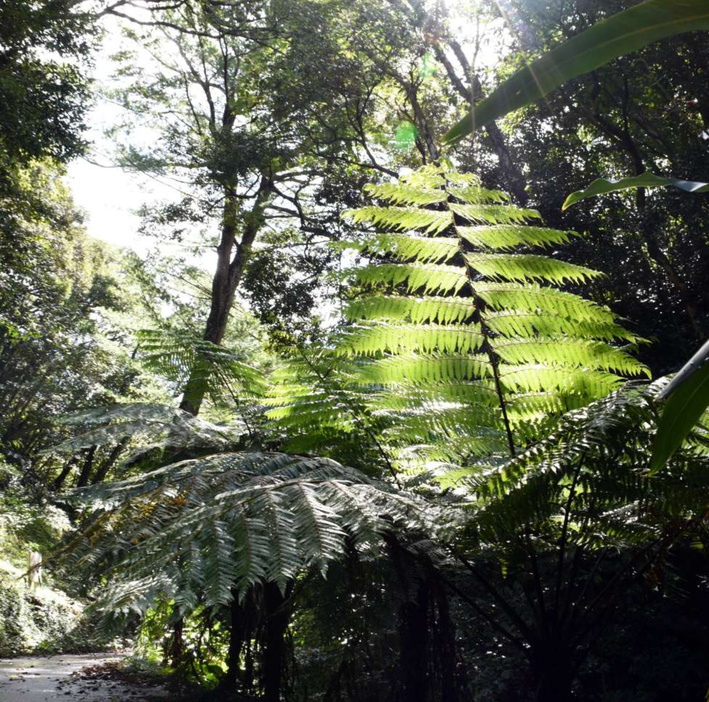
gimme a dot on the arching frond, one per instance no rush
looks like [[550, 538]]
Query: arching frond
[[147, 426], [444, 310], [454, 310], [403, 218], [591, 473], [408, 247], [457, 340], [428, 278], [178, 355], [396, 338], [527, 267], [220, 524], [512, 236]]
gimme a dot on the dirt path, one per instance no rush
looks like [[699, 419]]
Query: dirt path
[[55, 678]]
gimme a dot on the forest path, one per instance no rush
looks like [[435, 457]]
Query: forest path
[[54, 678]]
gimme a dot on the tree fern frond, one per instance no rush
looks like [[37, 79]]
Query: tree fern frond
[[512, 236], [476, 195], [537, 378], [492, 214], [588, 472], [484, 328], [224, 523], [444, 310], [400, 195], [396, 338], [528, 267], [416, 276], [421, 397], [573, 352], [534, 298], [178, 355], [147, 426], [408, 247], [420, 369], [516, 324], [402, 218]]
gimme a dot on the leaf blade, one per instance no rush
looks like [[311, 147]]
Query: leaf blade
[[611, 38], [602, 186], [687, 399]]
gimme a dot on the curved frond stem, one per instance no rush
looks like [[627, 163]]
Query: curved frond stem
[[565, 531], [506, 607]]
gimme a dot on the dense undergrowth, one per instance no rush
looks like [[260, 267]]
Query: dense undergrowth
[[46, 617]]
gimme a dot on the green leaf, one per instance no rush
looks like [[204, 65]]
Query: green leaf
[[601, 186], [616, 36], [687, 399]]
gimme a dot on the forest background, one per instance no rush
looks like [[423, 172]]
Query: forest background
[[497, 532]]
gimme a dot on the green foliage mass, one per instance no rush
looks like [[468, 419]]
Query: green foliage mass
[[43, 88], [455, 342]]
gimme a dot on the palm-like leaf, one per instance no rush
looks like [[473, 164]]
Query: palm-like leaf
[[203, 529], [472, 315]]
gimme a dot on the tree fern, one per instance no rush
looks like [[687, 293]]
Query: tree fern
[[557, 535], [146, 427], [180, 355], [462, 312], [200, 530]]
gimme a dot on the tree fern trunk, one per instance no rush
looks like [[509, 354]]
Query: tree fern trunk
[[102, 470], [413, 637], [85, 474], [277, 612], [176, 646], [64, 474], [552, 671], [237, 636], [444, 644]]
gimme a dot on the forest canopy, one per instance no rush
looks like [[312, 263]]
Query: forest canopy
[[398, 388]]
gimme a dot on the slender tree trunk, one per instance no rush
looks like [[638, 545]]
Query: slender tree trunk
[[102, 470], [64, 474], [85, 474], [444, 643], [237, 636], [176, 647], [413, 637], [277, 611], [231, 260]]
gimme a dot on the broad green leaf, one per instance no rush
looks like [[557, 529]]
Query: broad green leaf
[[616, 36], [601, 186], [687, 399]]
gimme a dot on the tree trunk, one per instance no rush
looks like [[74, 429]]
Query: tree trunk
[[102, 470], [552, 671], [226, 279], [444, 644], [64, 474], [277, 611], [85, 474], [413, 637], [176, 645], [231, 682]]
